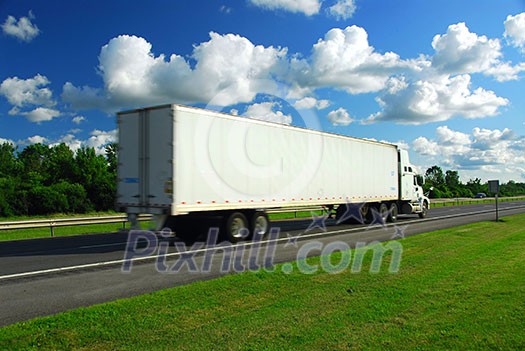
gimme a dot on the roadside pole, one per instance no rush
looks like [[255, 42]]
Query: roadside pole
[[494, 188]]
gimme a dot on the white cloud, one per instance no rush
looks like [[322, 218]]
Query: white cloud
[[22, 29], [344, 59], [482, 150], [447, 137], [30, 93], [485, 139], [98, 140], [70, 140], [22, 92], [425, 147], [265, 111], [36, 139], [504, 72], [307, 7], [229, 69], [339, 117], [515, 30], [41, 114], [342, 9], [310, 102], [436, 99], [9, 141], [460, 51], [78, 119]]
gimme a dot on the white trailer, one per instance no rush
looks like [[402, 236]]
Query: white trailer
[[180, 162]]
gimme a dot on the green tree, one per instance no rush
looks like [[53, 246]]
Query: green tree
[[60, 165], [8, 160], [93, 175], [435, 178]]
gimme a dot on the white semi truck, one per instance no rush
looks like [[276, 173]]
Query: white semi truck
[[183, 164]]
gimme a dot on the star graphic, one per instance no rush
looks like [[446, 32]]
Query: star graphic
[[353, 211], [400, 232], [292, 240], [317, 222], [377, 219]]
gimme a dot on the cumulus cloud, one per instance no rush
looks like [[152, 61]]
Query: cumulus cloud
[[344, 59], [31, 94], [36, 139], [340, 117], [41, 114], [482, 150], [485, 139], [98, 139], [78, 119], [310, 102], [22, 28], [22, 92], [342, 9], [505, 71], [448, 137], [268, 111], [229, 69], [437, 99], [515, 30], [460, 51], [307, 7], [8, 141]]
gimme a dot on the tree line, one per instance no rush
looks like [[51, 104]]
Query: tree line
[[448, 185], [43, 179]]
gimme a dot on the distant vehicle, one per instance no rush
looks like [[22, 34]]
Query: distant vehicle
[[179, 162], [480, 196]]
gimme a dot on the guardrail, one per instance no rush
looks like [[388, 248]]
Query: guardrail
[[457, 201], [65, 222]]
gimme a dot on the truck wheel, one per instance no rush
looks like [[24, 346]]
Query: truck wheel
[[235, 227], [383, 211], [260, 224], [424, 211], [392, 214]]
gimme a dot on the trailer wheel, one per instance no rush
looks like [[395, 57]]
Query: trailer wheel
[[383, 212], [392, 213], [235, 227], [260, 224], [424, 210]]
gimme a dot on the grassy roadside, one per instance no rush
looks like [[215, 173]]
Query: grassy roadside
[[461, 288]]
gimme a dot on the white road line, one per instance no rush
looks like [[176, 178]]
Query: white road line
[[101, 245], [247, 244]]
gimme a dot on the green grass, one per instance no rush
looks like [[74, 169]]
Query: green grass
[[461, 288]]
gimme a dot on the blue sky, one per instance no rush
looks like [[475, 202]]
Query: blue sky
[[443, 79]]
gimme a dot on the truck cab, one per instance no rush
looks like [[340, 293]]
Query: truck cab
[[411, 195]]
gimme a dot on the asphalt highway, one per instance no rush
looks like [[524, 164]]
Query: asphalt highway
[[46, 276]]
